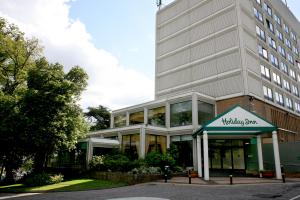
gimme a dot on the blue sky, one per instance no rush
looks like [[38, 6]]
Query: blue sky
[[113, 40]]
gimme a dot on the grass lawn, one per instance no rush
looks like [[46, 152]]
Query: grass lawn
[[73, 185]]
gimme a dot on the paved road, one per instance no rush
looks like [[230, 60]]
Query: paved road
[[277, 191]]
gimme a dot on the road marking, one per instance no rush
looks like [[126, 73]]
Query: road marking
[[18, 195], [138, 198], [296, 197]]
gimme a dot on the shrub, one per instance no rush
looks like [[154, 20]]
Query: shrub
[[56, 178], [97, 162], [153, 159]]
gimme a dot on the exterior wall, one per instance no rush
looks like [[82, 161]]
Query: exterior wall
[[288, 124], [197, 49]]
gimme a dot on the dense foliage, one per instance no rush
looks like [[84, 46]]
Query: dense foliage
[[98, 117], [42, 179]]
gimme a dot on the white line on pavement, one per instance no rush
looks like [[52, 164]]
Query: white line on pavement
[[18, 195], [296, 197]]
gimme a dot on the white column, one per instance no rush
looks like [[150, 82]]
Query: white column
[[199, 157], [127, 118], [167, 115], [276, 155], [195, 111], [145, 115], [111, 120], [195, 165], [259, 153], [120, 139], [205, 154], [142, 141], [168, 141], [89, 152]]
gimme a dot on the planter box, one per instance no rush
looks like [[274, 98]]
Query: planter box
[[267, 174]]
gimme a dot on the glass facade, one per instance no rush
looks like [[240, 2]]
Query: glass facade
[[157, 116], [184, 145], [156, 143], [136, 118], [131, 145], [181, 114], [120, 120], [206, 112]]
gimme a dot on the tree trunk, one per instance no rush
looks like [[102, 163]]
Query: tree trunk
[[2, 169], [39, 161], [9, 177]]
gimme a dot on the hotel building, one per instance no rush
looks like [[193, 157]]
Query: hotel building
[[240, 57]]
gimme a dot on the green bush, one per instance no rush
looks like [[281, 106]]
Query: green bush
[[153, 159], [97, 163], [42, 179], [56, 178]]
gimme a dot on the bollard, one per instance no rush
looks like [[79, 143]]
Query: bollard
[[190, 177], [166, 177], [282, 174], [230, 177]]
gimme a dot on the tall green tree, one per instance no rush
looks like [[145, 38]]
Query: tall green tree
[[99, 117]]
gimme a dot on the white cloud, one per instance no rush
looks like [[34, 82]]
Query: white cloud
[[67, 41]]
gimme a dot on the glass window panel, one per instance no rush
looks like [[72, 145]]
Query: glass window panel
[[205, 112], [157, 116], [119, 121], [181, 114], [136, 118], [131, 145]]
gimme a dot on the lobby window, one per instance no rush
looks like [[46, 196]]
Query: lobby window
[[274, 60], [270, 25], [260, 33], [295, 90], [258, 15], [292, 74], [265, 72], [289, 103], [290, 58], [286, 28], [288, 43], [281, 51], [279, 98], [277, 19], [131, 145], [284, 67], [268, 9], [268, 93], [277, 79], [286, 85], [295, 50], [157, 116], [206, 112], [293, 36], [263, 52], [136, 118], [157, 143], [181, 114], [119, 120], [279, 35], [297, 107], [272, 43]]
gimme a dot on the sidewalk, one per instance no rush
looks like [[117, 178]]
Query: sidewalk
[[226, 180]]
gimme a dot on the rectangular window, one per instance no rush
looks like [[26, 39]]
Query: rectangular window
[[290, 58], [292, 74], [260, 33], [272, 43], [295, 50], [258, 1], [298, 64], [131, 146], [297, 107], [277, 19], [156, 143], [279, 98], [286, 85], [206, 112], [268, 93], [136, 118], [119, 120], [295, 90], [279, 35], [289, 103], [157, 116], [181, 114], [268, 9], [270, 25], [263, 52], [276, 79], [284, 67], [288, 43], [298, 77], [274, 60], [281, 51], [293, 36], [258, 15], [286, 28], [265, 72]]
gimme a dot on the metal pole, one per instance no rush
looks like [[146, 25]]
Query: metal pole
[[190, 177], [231, 181]]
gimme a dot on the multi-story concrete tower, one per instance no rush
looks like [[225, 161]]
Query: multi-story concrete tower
[[233, 50]]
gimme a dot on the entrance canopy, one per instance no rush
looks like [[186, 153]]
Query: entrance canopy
[[237, 121]]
